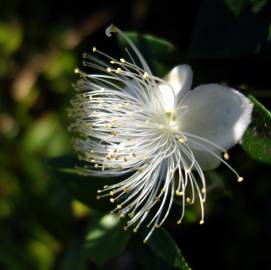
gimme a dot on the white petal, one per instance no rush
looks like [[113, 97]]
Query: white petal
[[168, 97], [217, 113], [180, 79]]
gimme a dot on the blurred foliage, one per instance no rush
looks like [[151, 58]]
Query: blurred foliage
[[257, 139], [49, 217]]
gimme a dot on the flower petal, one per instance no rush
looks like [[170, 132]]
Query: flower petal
[[216, 113], [180, 79]]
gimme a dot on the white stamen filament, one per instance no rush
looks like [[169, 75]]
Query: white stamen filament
[[125, 127]]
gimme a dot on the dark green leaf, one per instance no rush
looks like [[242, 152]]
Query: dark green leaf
[[74, 257], [257, 139], [227, 29], [83, 188], [258, 5], [164, 247], [106, 239], [155, 51]]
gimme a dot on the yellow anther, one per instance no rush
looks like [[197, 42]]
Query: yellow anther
[[119, 206], [111, 193], [179, 193], [240, 179], [114, 133], [181, 140], [203, 190], [122, 60], [161, 126], [108, 69], [147, 122], [135, 230], [188, 200], [125, 159], [112, 200], [93, 161], [92, 151], [201, 222], [179, 221], [96, 165], [118, 70], [145, 75], [99, 191], [226, 156], [112, 62], [98, 197], [94, 49], [77, 71]]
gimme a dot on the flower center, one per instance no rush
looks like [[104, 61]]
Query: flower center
[[171, 123]]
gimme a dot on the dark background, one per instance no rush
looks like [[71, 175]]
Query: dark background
[[41, 43]]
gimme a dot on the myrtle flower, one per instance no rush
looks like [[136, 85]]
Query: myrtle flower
[[156, 133]]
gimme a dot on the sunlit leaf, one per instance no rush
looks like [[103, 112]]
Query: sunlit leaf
[[257, 139], [106, 239]]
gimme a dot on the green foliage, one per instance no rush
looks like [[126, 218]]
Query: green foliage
[[257, 139], [237, 6], [158, 53], [83, 188], [10, 38], [106, 239], [164, 247], [228, 29], [42, 226]]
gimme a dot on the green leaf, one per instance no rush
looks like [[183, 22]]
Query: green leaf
[[164, 247], [48, 136], [237, 31], [106, 239], [159, 53], [11, 37], [257, 138], [83, 188], [74, 257], [236, 6], [258, 5]]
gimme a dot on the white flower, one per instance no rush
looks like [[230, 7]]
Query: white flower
[[157, 132]]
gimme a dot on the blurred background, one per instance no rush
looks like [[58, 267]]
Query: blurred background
[[41, 42]]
